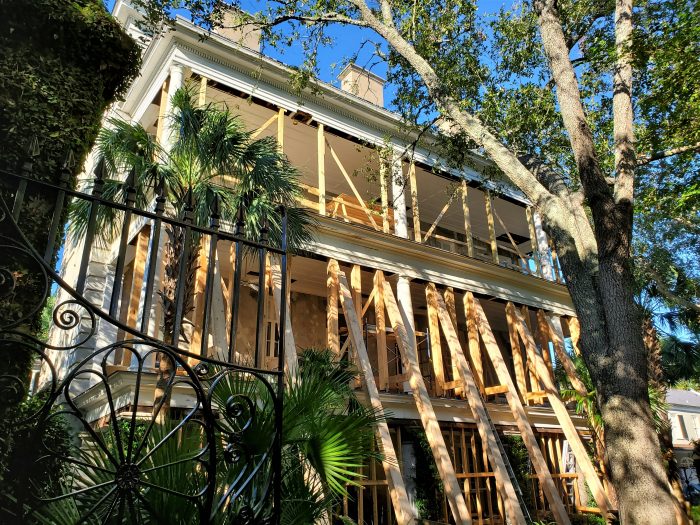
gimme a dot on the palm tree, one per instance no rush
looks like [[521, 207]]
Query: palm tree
[[326, 436], [212, 164]]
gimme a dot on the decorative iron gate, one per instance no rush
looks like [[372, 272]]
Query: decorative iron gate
[[164, 433]]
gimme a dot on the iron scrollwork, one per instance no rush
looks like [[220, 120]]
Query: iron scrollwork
[[192, 442]]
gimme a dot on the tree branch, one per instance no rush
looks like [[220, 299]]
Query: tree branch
[[665, 290], [623, 116], [659, 155]]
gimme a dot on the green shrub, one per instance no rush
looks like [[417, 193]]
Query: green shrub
[[61, 65]]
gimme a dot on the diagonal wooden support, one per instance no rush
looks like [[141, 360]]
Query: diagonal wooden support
[[562, 414], [557, 336], [504, 485], [397, 489], [409, 357], [516, 407]]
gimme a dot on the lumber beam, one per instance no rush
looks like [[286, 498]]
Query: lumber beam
[[474, 346], [262, 128], [384, 192], [440, 216], [492, 226], [280, 129], [321, 160], [380, 323], [533, 241], [467, 219], [414, 201], [140, 256], [435, 343], [332, 332], [557, 336], [407, 346], [162, 108], [575, 331], [542, 332], [518, 364], [202, 91], [198, 299], [348, 179], [538, 460], [488, 438], [562, 415], [290, 348], [397, 489], [452, 309]]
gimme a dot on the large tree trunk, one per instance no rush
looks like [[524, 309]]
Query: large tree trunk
[[595, 259]]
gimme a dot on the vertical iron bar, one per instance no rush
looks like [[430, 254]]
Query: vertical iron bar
[[182, 274], [123, 241], [235, 300], [19, 195], [259, 326], [92, 224], [211, 266], [153, 259], [277, 454], [58, 211], [27, 169]]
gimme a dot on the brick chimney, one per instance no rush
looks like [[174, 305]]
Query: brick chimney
[[365, 84], [234, 28]]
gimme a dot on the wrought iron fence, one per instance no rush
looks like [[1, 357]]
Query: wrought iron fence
[[164, 432]]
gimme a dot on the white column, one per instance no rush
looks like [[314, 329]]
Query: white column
[[398, 185], [177, 78], [543, 247]]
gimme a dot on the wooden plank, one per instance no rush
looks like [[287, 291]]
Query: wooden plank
[[356, 287], [440, 216], [409, 356], [397, 489], [262, 128], [332, 334], [474, 346], [384, 191], [497, 389], [435, 343], [467, 219], [140, 257], [198, 300], [321, 166], [162, 108], [567, 425], [488, 438], [532, 369], [557, 337], [202, 91], [542, 332], [575, 331], [512, 241], [380, 323], [414, 201], [280, 129], [538, 460], [352, 185], [533, 241], [290, 348], [492, 227], [518, 364], [452, 309]]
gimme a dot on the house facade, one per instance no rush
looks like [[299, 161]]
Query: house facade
[[438, 283], [684, 415]]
